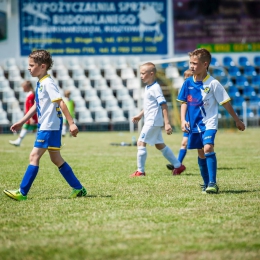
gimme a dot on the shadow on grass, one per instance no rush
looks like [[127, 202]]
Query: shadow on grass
[[238, 191], [231, 168]]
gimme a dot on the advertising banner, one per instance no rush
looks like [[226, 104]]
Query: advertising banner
[[219, 25], [66, 27]]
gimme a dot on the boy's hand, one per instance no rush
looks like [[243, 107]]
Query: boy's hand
[[168, 129], [240, 125], [136, 119], [15, 127], [185, 126], [74, 130]]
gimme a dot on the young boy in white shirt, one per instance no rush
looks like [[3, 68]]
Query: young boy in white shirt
[[155, 114]]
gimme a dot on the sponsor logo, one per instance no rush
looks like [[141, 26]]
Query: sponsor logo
[[207, 137], [143, 135], [189, 98], [40, 141], [190, 87], [206, 90]]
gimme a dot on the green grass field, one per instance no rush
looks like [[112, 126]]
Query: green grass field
[[156, 217]]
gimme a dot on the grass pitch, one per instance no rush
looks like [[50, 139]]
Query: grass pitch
[[159, 216]]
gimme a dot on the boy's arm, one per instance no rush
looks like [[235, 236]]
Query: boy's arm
[[167, 124], [184, 124], [137, 118], [26, 117], [239, 124], [73, 128]]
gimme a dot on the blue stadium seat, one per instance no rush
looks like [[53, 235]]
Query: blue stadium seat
[[225, 81], [233, 91], [241, 82], [248, 91], [217, 72], [182, 66], [254, 101], [228, 61], [257, 61], [214, 61], [234, 71], [255, 82], [243, 61], [238, 101], [249, 71]]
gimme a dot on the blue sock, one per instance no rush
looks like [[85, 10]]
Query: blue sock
[[204, 170], [182, 154], [69, 176], [212, 166], [28, 179]]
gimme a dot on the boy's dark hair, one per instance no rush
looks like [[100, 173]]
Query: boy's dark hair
[[42, 57], [187, 73], [202, 54]]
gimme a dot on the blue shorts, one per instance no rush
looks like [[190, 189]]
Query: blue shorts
[[198, 140], [50, 140], [185, 134]]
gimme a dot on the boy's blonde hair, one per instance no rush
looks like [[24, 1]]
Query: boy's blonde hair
[[42, 57], [151, 66]]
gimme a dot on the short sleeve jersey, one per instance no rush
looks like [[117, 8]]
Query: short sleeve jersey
[[153, 99], [202, 98], [29, 101], [49, 112]]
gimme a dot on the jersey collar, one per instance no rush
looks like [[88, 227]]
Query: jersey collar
[[148, 86], [205, 79], [43, 78]]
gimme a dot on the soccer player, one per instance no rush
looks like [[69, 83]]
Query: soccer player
[[155, 114], [71, 107], [31, 124], [199, 97], [48, 104]]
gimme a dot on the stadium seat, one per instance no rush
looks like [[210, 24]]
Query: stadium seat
[[85, 117], [14, 75], [84, 84], [241, 82], [62, 74], [2, 76], [9, 96], [10, 64], [104, 63], [249, 71], [101, 116], [243, 61], [127, 73], [134, 62], [94, 74], [118, 116], [94, 105], [182, 65], [256, 83], [73, 64], [257, 61], [116, 83], [254, 101], [106, 94], [134, 83], [80, 105], [224, 81], [171, 72], [234, 71], [110, 73], [122, 93], [249, 91], [4, 86], [75, 95], [58, 64], [238, 101], [90, 94], [228, 62], [101, 84], [233, 91], [111, 104], [16, 116], [120, 63], [3, 118], [214, 62], [128, 104], [88, 63], [79, 74], [218, 72]]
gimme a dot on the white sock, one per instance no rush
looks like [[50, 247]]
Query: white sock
[[21, 135], [168, 154], [141, 158]]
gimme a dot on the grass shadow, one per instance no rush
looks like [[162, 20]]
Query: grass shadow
[[238, 191], [231, 168]]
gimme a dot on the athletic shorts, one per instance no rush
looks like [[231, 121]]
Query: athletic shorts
[[50, 140], [198, 140], [151, 135], [186, 134], [30, 127]]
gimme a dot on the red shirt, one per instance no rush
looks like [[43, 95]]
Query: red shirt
[[28, 104]]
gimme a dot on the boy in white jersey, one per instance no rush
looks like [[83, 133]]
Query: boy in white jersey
[[48, 104], [200, 96], [155, 114]]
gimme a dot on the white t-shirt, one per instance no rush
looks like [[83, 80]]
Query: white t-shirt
[[49, 113], [153, 99]]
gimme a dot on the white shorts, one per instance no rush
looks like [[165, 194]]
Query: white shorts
[[151, 135]]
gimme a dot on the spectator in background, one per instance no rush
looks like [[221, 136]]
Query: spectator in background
[[31, 124], [71, 107]]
